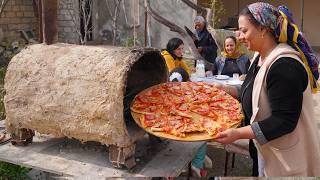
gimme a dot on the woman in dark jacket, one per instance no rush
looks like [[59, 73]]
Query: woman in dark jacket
[[206, 45]]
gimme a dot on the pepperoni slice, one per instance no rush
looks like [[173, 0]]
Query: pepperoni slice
[[150, 117]]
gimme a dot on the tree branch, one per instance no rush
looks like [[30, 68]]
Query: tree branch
[[156, 16], [114, 21], [3, 4], [129, 26], [200, 9], [109, 10], [209, 17], [195, 6], [175, 28], [85, 19]]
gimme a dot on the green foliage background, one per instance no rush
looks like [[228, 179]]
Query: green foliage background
[[8, 170], [11, 171], [217, 8]]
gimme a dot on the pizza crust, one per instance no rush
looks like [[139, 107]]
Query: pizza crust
[[187, 109]]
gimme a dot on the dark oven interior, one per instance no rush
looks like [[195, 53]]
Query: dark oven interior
[[150, 69]]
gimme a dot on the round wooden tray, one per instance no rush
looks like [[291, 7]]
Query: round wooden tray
[[196, 136], [200, 136]]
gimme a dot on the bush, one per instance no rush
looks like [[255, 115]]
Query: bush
[[7, 170], [3, 71], [11, 171]]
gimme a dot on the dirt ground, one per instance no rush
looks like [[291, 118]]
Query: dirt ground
[[242, 164]]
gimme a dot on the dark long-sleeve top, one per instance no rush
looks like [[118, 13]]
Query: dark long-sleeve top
[[286, 81], [241, 64], [206, 41]]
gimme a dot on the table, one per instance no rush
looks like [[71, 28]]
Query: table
[[70, 158], [213, 79], [73, 159]]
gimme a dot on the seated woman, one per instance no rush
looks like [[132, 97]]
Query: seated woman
[[173, 55], [232, 59]]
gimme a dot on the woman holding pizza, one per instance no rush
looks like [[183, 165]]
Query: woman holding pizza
[[232, 60], [276, 95]]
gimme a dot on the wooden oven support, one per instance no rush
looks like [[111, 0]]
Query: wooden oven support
[[122, 156], [125, 156], [22, 137]]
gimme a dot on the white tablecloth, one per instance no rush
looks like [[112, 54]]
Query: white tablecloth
[[212, 79]]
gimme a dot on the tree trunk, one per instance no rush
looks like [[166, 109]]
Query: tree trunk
[[49, 20], [209, 16], [115, 21], [175, 28], [3, 5]]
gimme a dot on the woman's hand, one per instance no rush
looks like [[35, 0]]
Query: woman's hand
[[218, 85], [209, 74], [242, 77], [228, 136], [228, 89]]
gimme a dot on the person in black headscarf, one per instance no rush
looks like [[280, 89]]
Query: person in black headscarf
[[204, 42]]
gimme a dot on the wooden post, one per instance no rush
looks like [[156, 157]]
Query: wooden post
[[40, 27], [122, 156], [22, 137], [49, 10], [302, 14], [145, 24]]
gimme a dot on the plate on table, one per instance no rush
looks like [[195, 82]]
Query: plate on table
[[234, 82], [221, 77], [197, 79]]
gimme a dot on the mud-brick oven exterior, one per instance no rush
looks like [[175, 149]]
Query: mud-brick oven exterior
[[81, 92]]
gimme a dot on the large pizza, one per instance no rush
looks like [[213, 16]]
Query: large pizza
[[190, 111]]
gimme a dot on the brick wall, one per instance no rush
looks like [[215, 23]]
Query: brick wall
[[68, 21], [17, 15]]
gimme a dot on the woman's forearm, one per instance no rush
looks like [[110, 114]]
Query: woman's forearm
[[246, 132], [230, 135], [232, 90]]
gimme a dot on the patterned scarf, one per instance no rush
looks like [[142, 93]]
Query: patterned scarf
[[280, 21]]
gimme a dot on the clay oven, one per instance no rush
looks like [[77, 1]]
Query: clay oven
[[81, 92]]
